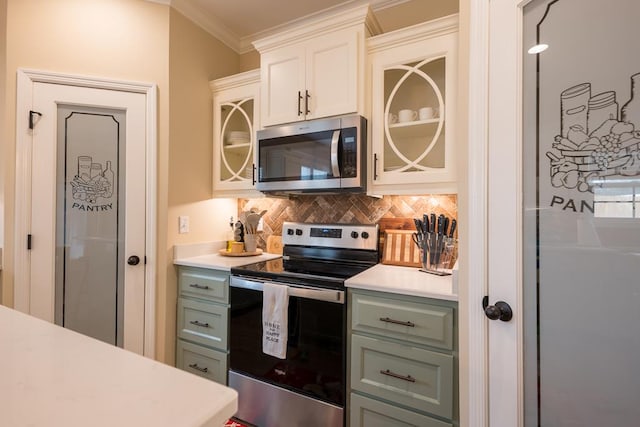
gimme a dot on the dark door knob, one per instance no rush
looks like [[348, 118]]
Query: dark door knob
[[133, 260], [501, 310]]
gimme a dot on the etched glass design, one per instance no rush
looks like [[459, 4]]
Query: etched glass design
[[90, 222]]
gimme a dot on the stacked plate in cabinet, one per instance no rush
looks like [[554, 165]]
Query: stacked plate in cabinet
[[238, 137]]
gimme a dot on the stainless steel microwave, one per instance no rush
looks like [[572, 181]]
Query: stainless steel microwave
[[316, 156]]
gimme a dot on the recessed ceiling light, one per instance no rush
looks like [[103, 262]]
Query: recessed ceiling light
[[537, 48]]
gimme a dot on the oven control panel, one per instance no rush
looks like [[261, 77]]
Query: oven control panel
[[346, 236]]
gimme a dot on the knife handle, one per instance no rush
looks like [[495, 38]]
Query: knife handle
[[432, 224], [454, 223]]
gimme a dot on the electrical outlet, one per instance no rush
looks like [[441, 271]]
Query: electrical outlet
[[183, 224]]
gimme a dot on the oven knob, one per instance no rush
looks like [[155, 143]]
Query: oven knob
[[354, 234], [290, 231], [298, 232], [364, 235]]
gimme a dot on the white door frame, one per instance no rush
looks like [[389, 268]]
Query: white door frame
[[25, 80], [482, 273], [474, 397]]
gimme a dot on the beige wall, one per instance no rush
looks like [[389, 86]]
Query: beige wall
[[195, 58], [3, 111], [120, 39], [250, 61]]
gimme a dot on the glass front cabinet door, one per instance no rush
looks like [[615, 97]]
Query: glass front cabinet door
[[235, 117], [413, 109]]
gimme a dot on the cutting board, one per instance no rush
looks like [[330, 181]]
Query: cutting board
[[399, 249], [274, 245], [392, 224]]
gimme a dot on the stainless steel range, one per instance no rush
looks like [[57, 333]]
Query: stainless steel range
[[307, 386]]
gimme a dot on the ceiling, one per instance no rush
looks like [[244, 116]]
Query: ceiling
[[237, 23]]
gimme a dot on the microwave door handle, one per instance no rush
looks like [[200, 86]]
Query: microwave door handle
[[335, 167]]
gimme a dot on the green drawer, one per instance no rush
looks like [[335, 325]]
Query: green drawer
[[204, 362], [416, 322], [202, 283], [367, 412], [410, 376], [204, 323]]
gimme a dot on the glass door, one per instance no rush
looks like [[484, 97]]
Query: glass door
[[581, 142], [564, 224]]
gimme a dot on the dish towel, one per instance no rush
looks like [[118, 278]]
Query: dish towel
[[275, 309]]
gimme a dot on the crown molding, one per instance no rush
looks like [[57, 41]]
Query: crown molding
[[424, 30], [241, 45], [207, 22]]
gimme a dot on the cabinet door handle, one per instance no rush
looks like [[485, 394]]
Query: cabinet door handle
[[306, 102], [195, 322], [375, 166], [408, 378], [397, 322], [253, 174], [195, 285], [198, 368], [299, 103]]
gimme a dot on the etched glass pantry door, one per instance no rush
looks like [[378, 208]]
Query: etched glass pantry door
[[572, 252], [89, 226], [88, 210]]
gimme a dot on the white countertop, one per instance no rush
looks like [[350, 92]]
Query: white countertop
[[405, 281], [220, 262], [54, 377]]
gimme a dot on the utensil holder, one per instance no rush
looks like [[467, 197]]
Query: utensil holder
[[436, 256], [250, 243]]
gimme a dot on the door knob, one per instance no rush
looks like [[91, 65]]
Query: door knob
[[133, 260], [501, 310]]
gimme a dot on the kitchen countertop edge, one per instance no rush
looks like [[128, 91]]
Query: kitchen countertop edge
[[221, 262]]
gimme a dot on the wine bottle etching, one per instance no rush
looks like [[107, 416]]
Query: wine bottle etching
[[91, 181]]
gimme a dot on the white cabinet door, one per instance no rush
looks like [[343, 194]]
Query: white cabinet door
[[413, 109], [283, 85], [312, 79], [332, 75], [235, 120]]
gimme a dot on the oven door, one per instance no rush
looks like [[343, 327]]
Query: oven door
[[315, 360]]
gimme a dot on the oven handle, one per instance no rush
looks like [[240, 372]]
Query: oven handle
[[328, 295], [335, 167]]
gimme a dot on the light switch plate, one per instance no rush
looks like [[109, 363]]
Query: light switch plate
[[183, 224]]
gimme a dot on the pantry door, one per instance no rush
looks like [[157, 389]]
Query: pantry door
[[564, 213], [87, 218]]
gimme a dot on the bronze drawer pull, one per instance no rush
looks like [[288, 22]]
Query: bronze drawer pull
[[400, 377], [198, 368], [397, 322], [195, 322], [195, 285]]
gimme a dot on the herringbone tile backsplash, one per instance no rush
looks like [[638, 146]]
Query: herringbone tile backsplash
[[345, 209]]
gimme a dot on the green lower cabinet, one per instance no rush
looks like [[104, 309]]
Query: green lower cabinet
[[402, 360], [409, 376], [204, 362], [202, 345], [367, 412]]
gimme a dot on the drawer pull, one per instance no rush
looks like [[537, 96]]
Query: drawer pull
[[401, 377], [397, 322], [198, 368], [195, 322], [195, 285]]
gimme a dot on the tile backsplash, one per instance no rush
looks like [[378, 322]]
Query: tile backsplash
[[345, 209]]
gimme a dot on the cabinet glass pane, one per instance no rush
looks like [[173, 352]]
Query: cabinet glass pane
[[414, 106], [237, 141]]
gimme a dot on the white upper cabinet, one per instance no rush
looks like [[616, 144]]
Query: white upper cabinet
[[413, 94], [315, 70], [235, 120]]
